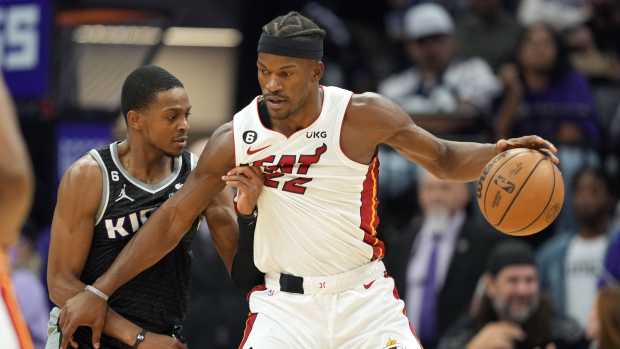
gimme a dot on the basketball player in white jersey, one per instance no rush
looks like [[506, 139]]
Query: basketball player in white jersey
[[315, 238], [16, 191]]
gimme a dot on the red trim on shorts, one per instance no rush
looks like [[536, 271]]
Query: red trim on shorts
[[255, 289], [7, 296], [395, 293], [249, 323], [368, 210]]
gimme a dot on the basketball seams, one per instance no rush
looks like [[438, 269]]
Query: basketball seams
[[519, 191], [486, 190], [546, 205]]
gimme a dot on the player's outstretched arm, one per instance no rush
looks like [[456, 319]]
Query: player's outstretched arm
[[222, 222], [159, 235], [386, 123], [77, 203], [15, 172]]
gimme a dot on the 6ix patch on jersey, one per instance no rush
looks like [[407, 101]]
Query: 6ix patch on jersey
[[249, 137]]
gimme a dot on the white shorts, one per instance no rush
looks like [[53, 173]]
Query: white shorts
[[359, 309], [8, 337]]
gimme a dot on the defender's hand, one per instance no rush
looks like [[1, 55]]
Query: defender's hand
[[532, 142], [248, 180], [160, 341], [83, 309]]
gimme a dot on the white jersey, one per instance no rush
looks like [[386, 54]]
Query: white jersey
[[318, 209]]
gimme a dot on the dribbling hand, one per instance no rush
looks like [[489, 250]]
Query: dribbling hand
[[532, 142], [83, 309]]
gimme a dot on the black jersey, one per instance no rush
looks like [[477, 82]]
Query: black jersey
[[157, 298]]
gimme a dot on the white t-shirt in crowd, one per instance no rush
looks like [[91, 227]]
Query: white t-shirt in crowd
[[584, 263]]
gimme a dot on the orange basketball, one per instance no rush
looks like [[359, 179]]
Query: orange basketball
[[520, 191]]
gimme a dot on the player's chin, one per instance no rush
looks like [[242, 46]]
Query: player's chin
[[175, 149], [279, 114]]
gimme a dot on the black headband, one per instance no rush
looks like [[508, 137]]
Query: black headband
[[311, 48]]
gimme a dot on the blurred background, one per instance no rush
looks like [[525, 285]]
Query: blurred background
[[463, 69]]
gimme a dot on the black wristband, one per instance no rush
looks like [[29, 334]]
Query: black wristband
[[248, 217], [244, 273], [139, 338]]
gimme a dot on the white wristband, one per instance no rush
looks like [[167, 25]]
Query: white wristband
[[96, 292]]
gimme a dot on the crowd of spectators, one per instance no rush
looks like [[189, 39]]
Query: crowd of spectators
[[467, 70]]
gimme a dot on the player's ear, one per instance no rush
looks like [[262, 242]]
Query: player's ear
[[318, 70], [134, 120]]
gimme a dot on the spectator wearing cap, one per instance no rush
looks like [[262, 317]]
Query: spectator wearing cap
[[442, 93], [512, 313]]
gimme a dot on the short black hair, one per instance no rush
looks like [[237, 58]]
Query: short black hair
[[143, 84], [597, 171], [293, 25]]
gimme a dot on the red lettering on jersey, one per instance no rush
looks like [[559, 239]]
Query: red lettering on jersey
[[295, 185], [285, 166], [269, 171], [286, 163], [307, 160]]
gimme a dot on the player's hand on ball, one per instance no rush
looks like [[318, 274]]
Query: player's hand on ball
[[160, 341], [83, 309], [532, 142], [248, 180]]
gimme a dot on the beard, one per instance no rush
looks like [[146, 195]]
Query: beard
[[588, 217], [506, 310]]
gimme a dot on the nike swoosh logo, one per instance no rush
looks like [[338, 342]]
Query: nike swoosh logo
[[254, 151], [367, 286]]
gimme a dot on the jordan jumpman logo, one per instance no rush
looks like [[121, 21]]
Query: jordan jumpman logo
[[123, 195]]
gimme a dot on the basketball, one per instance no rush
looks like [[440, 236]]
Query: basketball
[[520, 192]]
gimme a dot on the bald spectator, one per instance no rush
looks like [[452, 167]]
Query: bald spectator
[[438, 258]]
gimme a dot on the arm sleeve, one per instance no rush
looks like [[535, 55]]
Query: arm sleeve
[[244, 272]]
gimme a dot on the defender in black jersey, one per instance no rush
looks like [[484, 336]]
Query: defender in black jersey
[[108, 194]]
